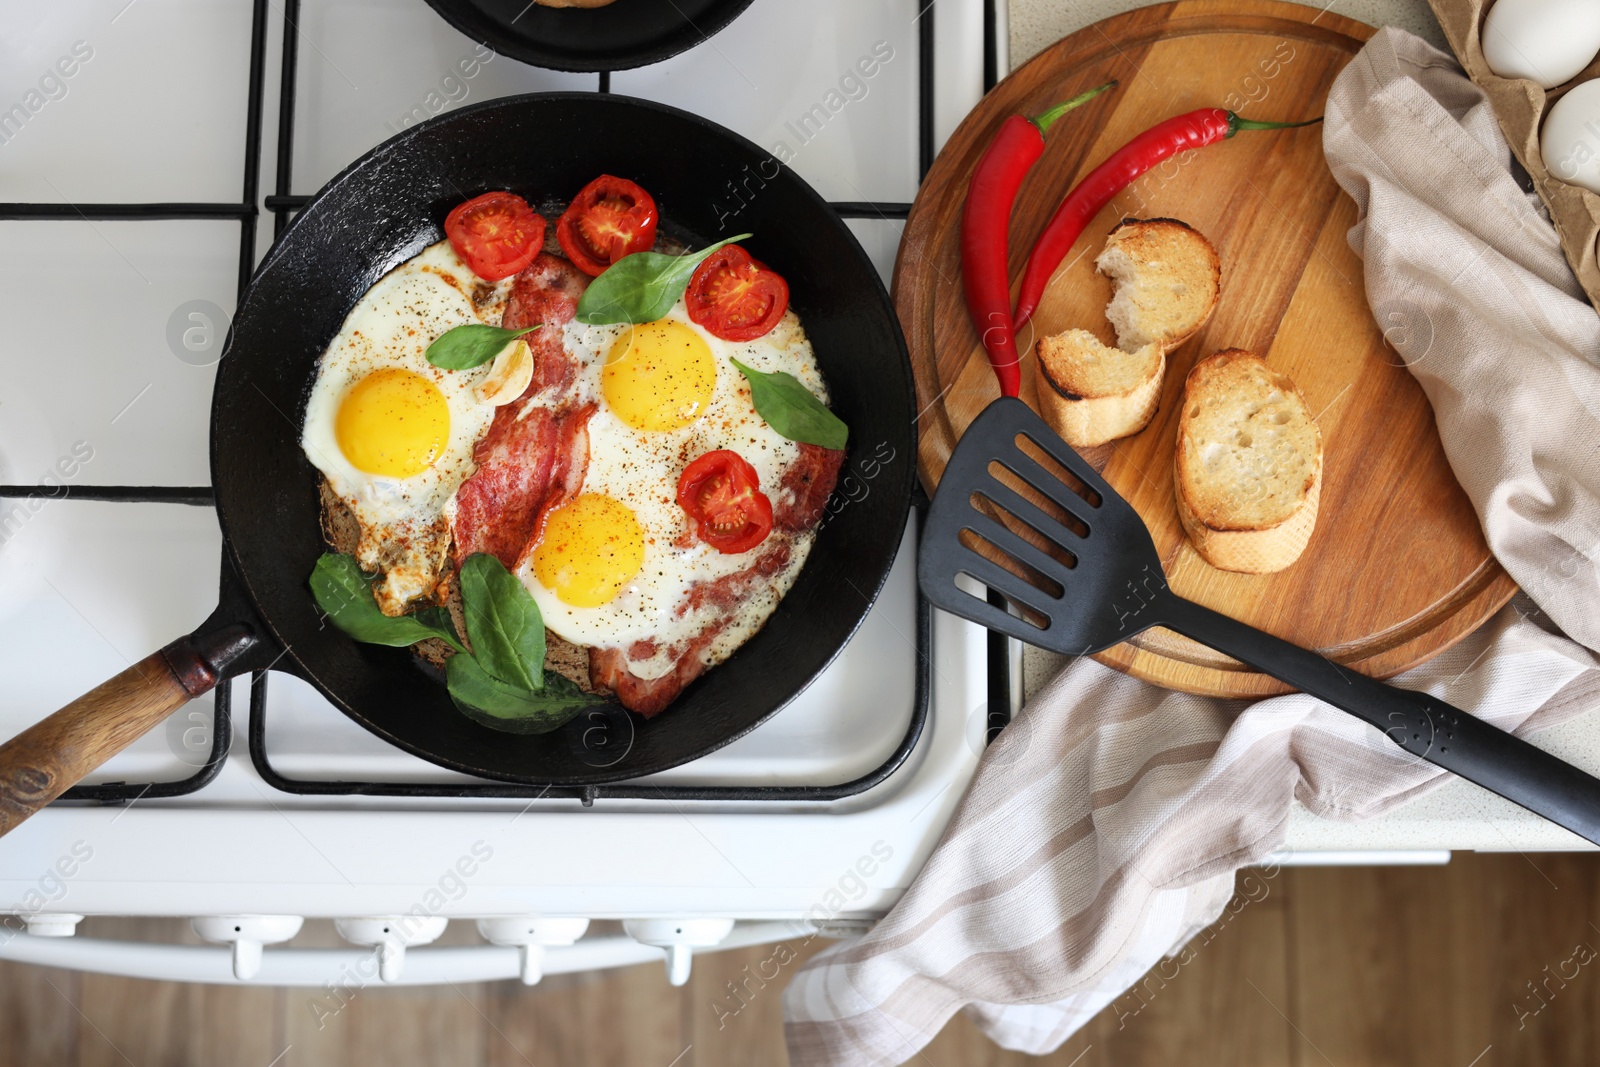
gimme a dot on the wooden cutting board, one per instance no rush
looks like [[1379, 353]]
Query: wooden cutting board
[[1397, 570]]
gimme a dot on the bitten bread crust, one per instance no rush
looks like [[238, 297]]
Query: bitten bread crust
[[1091, 394], [1166, 278]]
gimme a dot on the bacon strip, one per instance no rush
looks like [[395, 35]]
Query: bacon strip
[[608, 668], [806, 486], [731, 590], [526, 468], [532, 459], [547, 291]]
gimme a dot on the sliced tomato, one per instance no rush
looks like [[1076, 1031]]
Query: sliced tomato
[[497, 234], [608, 219], [736, 297], [722, 494]]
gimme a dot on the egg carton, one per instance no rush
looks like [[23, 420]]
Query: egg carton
[[1520, 105]]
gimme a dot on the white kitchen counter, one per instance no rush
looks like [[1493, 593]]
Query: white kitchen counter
[[1458, 815]]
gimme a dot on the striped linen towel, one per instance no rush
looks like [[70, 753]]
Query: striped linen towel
[[1104, 827]]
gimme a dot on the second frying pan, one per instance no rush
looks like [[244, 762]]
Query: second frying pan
[[623, 34]]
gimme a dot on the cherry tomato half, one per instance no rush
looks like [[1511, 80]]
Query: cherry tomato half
[[736, 297], [497, 234], [722, 494], [608, 219]]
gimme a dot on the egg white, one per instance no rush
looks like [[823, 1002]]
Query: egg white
[[641, 469], [405, 522]]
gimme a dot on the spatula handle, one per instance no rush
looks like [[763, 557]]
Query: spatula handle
[[1422, 725]]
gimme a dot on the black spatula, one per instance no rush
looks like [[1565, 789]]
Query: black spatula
[[1102, 583]]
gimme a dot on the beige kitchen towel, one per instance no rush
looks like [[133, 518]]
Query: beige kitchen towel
[[1465, 275], [1104, 827], [1103, 830]]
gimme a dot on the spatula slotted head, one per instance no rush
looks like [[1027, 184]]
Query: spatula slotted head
[[1022, 514]]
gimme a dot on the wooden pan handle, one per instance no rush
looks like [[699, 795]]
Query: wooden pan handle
[[49, 757]]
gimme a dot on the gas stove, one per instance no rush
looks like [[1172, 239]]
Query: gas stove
[[262, 806]]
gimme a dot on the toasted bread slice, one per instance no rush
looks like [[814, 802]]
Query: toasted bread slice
[[1166, 276], [1249, 464], [1090, 393]]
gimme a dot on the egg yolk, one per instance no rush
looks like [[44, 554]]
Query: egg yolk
[[592, 547], [659, 376], [393, 423]]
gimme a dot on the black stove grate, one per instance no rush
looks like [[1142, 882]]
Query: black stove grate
[[283, 203], [246, 212]]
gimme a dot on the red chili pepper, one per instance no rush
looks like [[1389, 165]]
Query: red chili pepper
[[1178, 134], [985, 219]]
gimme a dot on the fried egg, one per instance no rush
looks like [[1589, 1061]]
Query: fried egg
[[617, 565], [393, 434]]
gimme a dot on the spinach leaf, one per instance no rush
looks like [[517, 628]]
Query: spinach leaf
[[641, 287], [502, 684], [489, 701], [345, 595], [472, 345], [503, 622], [792, 409]]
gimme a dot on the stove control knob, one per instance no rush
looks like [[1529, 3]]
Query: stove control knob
[[247, 933], [679, 937], [391, 934], [53, 923], [530, 934]]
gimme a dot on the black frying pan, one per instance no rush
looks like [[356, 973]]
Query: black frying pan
[[381, 211], [624, 34]]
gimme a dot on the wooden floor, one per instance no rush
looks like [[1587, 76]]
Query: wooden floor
[[1484, 963]]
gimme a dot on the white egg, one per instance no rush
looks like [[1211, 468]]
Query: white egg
[[1570, 139], [639, 468], [1546, 41], [394, 434]]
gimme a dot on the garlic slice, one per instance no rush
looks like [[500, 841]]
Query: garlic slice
[[509, 375]]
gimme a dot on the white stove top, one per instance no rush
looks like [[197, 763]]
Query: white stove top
[[104, 363]]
